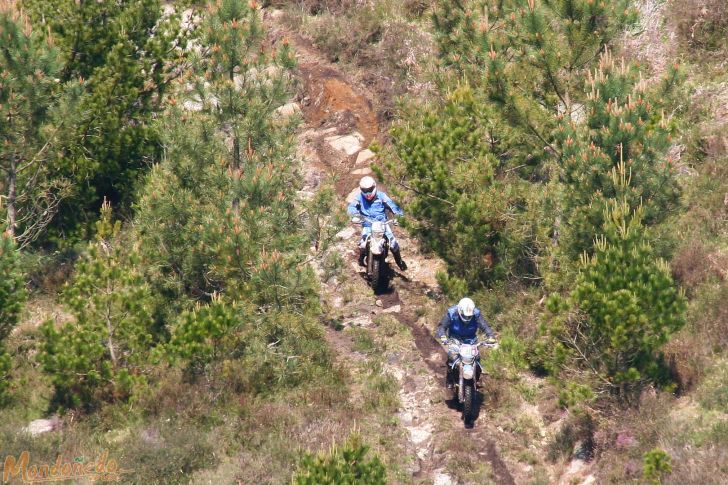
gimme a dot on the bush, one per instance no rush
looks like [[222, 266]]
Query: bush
[[12, 297], [12, 287], [231, 344], [102, 354], [656, 464], [346, 465]]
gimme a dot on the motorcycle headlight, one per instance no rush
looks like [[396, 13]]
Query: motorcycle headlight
[[376, 246]]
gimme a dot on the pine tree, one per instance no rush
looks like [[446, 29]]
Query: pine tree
[[455, 158], [120, 57], [624, 125], [530, 58], [220, 220], [28, 88], [624, 307], [12, 297], [104, 352], [240, 233]]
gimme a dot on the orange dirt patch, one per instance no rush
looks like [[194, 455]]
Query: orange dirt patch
[[329, 97]]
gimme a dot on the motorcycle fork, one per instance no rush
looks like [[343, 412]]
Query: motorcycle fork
[[369, 255], [461, 395]]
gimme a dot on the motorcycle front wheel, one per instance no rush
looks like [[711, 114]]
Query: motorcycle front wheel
[[378, 276], [468, 402]]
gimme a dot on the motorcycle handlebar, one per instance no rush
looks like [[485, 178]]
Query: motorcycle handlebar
[[452, 341], [359, 220]]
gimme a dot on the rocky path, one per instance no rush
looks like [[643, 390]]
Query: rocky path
[[339, 123]]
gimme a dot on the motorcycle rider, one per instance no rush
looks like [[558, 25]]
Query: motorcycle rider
[[462, 322], [372, 203]]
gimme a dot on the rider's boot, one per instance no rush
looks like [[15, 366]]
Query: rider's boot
[[398, 259], [449, 380], [362, 256]]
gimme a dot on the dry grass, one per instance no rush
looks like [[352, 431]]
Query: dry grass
[[380, 42], [702, 24], [653, 41]]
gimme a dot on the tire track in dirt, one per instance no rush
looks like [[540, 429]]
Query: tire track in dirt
[[334, 106]]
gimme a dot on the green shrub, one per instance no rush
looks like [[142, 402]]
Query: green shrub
[[617, 153], [463, 205], [12, 298], [656, 464], [623, 309], [229, 343], [103, 353], [345, 465]]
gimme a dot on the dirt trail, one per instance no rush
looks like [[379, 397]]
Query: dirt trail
[[339, 123]]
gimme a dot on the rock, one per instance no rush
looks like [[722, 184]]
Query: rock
[[442, 478], [347, 233], [288, 110], [364, 156], [312, 178], [576, 466], [392, 309], [363, 321], [40, 426], [589, 480], [326, 131], [305, 194], [349, 144], [379, 303], [362, 171], [190, 105]]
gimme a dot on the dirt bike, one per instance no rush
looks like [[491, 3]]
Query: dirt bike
[[466, 370], [377, 248]]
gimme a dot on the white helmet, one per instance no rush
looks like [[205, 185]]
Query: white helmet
[[466, 308], [368, 187]]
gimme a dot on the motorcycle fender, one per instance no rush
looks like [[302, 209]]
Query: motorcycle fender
[[468, 371]]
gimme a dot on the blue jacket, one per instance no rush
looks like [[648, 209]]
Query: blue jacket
[[456, 328], [374, 209]]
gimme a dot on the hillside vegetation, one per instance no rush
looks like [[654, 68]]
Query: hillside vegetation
[[177, 291]]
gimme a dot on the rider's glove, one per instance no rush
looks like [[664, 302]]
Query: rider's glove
[[443, 340], [491, 341], [356, 219]]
